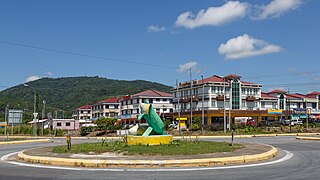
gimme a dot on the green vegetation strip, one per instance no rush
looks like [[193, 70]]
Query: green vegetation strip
[[179, 147]]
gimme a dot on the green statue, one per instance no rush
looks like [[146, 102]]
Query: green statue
[[155, 123]]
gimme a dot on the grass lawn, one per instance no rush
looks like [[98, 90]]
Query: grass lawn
[[181, 147]]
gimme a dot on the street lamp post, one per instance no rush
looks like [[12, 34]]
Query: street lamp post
[[191, 100], [224, 106], [5, 118], [34, 110], [178, 96], [202, 115]]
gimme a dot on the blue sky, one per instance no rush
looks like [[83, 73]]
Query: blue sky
[[271, 42]]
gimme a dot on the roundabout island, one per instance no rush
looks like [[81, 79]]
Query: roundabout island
[[245, 153], [149, 151]]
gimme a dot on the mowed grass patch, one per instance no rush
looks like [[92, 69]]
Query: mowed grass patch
[[179, 147]]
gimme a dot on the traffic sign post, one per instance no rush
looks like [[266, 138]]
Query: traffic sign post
[[35, 115]]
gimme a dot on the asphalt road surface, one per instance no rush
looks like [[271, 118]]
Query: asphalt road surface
[[304, 164]]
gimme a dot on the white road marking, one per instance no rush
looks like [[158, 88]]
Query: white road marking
[[288, 156], [5, 157]]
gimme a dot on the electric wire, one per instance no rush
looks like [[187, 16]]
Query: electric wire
[[104, 59]]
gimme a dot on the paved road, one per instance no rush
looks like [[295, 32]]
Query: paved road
[[304, 164]]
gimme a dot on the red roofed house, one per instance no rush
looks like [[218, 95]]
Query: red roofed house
[[161, 102], [108, 108], [82, 113]]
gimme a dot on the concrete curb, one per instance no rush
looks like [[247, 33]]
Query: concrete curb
[[147, 163], [308, 138], [24, 141]]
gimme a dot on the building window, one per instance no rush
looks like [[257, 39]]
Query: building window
[[158, 100], [213, 104], [263, 104], [67, 123], [243, 104], [59, 124], [235, 94]]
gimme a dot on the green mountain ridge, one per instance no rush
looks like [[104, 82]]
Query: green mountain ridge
[[68, 93]]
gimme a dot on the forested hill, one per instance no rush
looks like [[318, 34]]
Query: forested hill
[[72, 92]]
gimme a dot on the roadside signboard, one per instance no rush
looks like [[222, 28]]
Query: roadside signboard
[[15, 117], [273, 111]]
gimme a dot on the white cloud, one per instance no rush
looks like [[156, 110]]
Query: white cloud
[[246, 46], [317, 78], [186, 67], [276, 8], [48, 74], [32, 78], [213, 16], [156, 28]]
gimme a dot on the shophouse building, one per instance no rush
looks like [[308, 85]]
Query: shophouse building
[[223, 98], [82, 113], [109, 108]]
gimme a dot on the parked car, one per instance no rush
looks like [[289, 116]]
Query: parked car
[[245, 121], [270, 123], [296, 121], [285, 121]]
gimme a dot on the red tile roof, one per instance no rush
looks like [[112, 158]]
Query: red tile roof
[[265, 95], [213, 78], [313, 94], [216, 78], [232, 76], [111, 100], [295, 96], [125, 98], [276, 91], [85, 107], [153, 93]]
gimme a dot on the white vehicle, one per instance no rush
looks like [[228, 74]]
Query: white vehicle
[[244, 120], [295, 122]]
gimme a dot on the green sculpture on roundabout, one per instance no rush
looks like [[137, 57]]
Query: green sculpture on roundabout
[[155, 123]]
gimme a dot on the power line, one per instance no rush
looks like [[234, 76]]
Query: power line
[[294, 84], [280, 75], [104, 59]]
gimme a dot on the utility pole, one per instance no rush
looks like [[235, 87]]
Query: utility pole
[[202, 113], [224, 106], [191, 100], [5, 119], [34, 110], [289, 113], [178, 96], [43, 115], [12, 121]]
